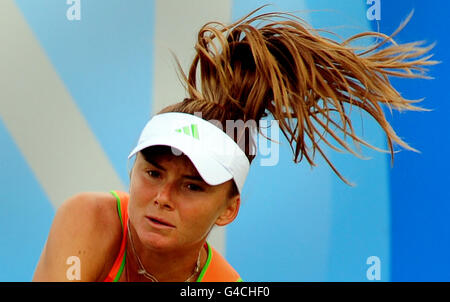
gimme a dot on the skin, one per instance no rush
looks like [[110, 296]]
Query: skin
[[170, 188]]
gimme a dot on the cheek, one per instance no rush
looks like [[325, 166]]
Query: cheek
[[201, 215], [140, 196], [140, 188], [135, 182]]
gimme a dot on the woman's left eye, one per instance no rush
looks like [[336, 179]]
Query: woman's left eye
[[153, 173], [194, 187]]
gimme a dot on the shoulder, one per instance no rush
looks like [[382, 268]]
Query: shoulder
[[85, 226], [89, 214], [96, 210]]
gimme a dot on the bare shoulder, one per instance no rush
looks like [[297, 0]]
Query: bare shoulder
[[92, 209], [86, 226]]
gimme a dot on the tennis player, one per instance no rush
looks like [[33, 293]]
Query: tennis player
[[189, 170]]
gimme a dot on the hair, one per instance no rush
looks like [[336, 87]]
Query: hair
[[282, 67]]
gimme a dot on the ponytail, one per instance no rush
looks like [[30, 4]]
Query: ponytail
[[302, 79]]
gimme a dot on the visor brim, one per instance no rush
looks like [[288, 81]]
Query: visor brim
[[211, 171]]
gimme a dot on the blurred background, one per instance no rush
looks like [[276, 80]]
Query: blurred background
[[80, 78]]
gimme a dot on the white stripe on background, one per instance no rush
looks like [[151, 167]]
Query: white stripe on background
[[41, 116], [177, 24]]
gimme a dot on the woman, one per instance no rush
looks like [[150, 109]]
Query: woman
[[189, 170]]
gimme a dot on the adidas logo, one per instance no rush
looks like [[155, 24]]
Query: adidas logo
[[191, 130]]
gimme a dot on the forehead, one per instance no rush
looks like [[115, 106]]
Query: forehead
[[164, 155]]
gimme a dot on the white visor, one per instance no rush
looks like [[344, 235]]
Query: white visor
[[214, 154]]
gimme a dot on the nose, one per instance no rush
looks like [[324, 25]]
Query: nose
[[164, 197]]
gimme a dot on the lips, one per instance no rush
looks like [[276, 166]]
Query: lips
[[159, 221]]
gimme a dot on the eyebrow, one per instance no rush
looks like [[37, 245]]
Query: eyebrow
[[194, 177], [155, 164], [191, 177]]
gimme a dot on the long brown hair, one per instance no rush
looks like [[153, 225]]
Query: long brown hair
[[282, 67]]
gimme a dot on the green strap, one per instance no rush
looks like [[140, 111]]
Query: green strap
[[119, 209], [122, 266], [208, 261]]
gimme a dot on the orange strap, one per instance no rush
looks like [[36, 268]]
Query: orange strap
[[122, 204]]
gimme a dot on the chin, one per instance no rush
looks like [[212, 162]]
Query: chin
[[156, 240]]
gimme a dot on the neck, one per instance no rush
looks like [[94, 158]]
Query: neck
[[165, 266]]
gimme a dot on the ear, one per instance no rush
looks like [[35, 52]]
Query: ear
[[230, 212]]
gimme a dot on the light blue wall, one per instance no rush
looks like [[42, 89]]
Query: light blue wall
[[360, 219], [25, 213], [105, 61], [298, 224]]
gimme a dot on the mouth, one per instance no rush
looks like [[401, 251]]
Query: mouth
[[159, 222]]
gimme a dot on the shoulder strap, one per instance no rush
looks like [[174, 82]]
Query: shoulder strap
[[119, 263], [217, 269]]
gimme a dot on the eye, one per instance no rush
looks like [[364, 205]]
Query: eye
[[194, 188], [153, 173]]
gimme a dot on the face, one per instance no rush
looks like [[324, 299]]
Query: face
[[171, 207]]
